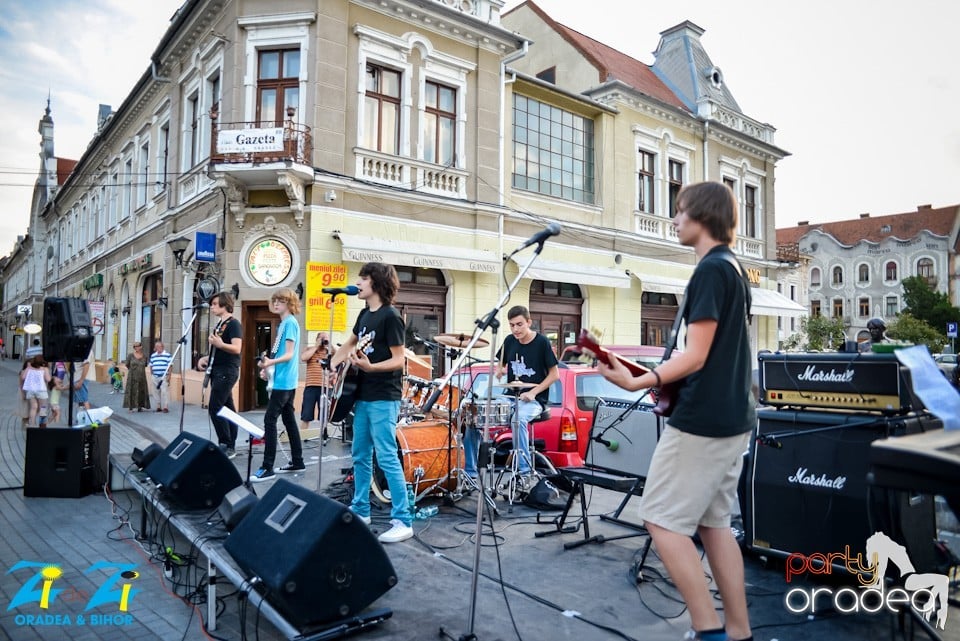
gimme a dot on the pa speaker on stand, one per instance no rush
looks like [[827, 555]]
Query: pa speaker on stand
[[67, 329]]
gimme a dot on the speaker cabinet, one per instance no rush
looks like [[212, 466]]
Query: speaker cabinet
[[67, 329], [807, 491], [194, 472], [66, 462], [318, 561], [623, 437]]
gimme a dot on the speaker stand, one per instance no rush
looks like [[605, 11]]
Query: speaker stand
[[349, 626]]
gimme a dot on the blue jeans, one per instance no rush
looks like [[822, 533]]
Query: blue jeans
[[528, 410], [375, 429]]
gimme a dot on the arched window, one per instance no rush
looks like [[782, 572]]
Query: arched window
[[890, 271], [150, 311], [815, 277], [925, 268], [863, 273], [837, 275]]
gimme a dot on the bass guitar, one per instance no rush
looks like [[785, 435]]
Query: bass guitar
[[218, 331], [345, 388], [665, 395]]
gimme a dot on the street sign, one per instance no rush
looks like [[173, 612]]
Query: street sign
[[951, 330]]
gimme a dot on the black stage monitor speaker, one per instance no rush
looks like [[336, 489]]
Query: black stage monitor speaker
[[623, 437], [67, 329], [65, 462], [807, 489], [318, 560], [235, 505], [194, 472]]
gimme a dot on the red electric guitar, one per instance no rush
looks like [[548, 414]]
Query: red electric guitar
[[666, 394]]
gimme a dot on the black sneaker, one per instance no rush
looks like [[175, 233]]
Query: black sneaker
[[263, 474], [231, 453], [293, 467]]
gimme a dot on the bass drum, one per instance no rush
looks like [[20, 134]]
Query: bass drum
[[431, 456]]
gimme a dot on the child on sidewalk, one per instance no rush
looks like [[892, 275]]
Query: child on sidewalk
[[116, 378]]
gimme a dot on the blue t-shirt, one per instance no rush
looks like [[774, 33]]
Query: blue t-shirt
[[285, 374]]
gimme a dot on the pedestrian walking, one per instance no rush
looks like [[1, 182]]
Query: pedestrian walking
[[137, 395]]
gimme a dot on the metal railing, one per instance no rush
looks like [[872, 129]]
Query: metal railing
[[297, 144]]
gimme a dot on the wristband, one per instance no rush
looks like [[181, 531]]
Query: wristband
[[659, 382]]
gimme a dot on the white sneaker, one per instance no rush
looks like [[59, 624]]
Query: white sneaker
[[365, 519], [399, 531]]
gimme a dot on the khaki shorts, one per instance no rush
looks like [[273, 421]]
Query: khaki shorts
[[38, 395], [692, 481]]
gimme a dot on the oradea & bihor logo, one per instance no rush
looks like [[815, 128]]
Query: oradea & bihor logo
[[926, 593], [44, 594]]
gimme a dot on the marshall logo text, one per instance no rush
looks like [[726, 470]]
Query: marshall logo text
[[804, 477], [812, 374]]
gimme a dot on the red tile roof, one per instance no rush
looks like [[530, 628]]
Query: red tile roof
[[64, 169], [610, 63], [940, 221]]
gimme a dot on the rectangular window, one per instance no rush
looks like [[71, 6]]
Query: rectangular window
[[553, 151], [114, 199], [381, 110], [278, 85], [144, 175], [793, 324], [864, 305], [440, 121], [647, 162], [213, 106], [892, 307], [793, 292], [749, 211], [163, 149], [837, 307], [675, 184], [191, 120], [815, 308], [126, 204]]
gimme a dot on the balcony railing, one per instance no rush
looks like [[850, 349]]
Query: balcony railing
[[410, 173], [653, 226], [260, 142]]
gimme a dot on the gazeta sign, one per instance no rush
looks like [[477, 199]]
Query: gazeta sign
[[243, 141]]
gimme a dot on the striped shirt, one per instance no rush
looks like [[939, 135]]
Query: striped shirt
[[159, 363]]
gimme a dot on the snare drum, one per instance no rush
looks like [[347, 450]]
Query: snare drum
[[501, 411], [428, 451]]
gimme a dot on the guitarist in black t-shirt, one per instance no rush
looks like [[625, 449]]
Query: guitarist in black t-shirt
[[379, 389], [223, 368]]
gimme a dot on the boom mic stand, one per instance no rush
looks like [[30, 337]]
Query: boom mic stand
[[490, 320], [326, 409], [173, 358]]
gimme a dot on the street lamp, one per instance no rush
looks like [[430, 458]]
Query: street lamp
[[178, 246]]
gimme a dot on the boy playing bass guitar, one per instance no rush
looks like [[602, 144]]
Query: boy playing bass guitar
[[222, 368]]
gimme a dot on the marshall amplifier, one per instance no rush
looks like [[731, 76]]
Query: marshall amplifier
[[807, 490], [858, 382]]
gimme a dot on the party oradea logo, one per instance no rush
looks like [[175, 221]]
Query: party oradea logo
[[46, 595], [925, 593]]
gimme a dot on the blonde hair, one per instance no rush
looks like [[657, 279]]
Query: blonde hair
[[288, 296]]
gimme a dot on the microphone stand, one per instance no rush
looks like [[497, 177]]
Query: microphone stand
[[173, 358], [490, 320]]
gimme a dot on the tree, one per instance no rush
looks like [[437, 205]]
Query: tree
[[817, 333], [925, 304], [910, 329]]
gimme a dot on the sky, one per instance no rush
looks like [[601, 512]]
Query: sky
[[862, 95]]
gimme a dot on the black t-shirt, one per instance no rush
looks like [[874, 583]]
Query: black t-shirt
[[529, 363], [717, 400], [387, 329], [227, 331]]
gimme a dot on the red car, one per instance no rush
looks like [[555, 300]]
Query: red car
[[573, 398]]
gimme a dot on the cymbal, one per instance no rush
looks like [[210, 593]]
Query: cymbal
[[460, 340], [410, 356], [518, 385]]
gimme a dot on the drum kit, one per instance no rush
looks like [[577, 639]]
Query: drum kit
[[430, 442]]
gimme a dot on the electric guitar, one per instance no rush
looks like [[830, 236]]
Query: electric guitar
[[221, 326], [345, 389], [270, 369], [666, 394]]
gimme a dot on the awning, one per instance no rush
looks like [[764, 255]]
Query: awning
[[365, 249], [767, 302], [662, 284], [543, 269]]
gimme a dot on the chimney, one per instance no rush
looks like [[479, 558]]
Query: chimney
[[103, 114], [803, 223], [866, 215], [924, 207]]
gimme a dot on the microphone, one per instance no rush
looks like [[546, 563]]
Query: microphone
[[349, 290], [417, 339], [197, 306], [611, 445], [769, 441], [541, 236]]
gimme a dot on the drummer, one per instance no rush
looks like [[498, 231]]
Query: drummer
[[525, 357]]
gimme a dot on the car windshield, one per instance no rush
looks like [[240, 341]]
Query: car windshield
[[592, 387]]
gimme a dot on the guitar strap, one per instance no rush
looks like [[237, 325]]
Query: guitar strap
[[675, 330]]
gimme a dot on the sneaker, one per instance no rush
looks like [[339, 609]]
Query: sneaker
[[399, 531], [365, 519], [263, 474], [230, 452], [293, 467]]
